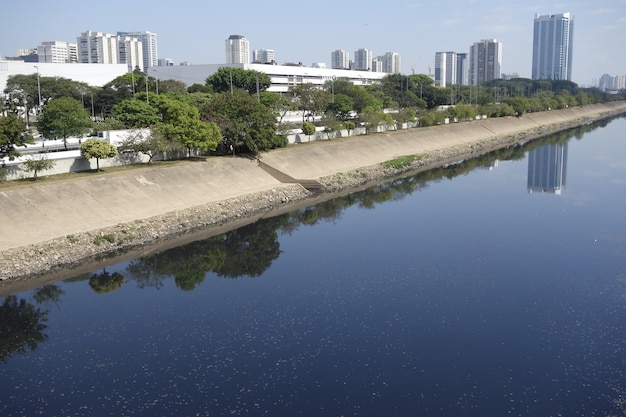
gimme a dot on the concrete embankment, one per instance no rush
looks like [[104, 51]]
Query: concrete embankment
[[59, 224]]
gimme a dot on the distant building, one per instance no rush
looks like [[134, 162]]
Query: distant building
[[165, 62], [130, 51], [97, 48], [282, 76], [340, 59], [462, 69], [362, 60], [149, 47], [377, 64], [445, 68], [391, 62], [237, 50], [57, 52], [74, 71], [318, 65], [552, 47], [263, 56], [485, 61]]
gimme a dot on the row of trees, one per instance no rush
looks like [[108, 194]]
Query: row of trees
[[233, 111]]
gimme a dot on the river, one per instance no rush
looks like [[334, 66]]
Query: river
[[491, 287]]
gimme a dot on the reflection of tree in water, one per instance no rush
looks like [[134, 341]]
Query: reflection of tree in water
[[48, 293], [250, 250], [247, 251], [106, 282], [21, 327]]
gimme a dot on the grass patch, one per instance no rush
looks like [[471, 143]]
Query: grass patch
[[72, 239], [401, 162], [100, 239]]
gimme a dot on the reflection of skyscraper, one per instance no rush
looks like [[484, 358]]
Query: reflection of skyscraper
[[547, 167]]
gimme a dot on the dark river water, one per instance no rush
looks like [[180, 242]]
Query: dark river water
[[491, 287]]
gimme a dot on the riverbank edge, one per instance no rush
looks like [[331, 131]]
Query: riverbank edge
[[62, 254]]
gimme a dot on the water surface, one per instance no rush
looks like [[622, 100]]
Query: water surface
[[492, 287]]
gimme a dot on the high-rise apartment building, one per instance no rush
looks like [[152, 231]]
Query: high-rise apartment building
[[263, 56], [237, 50], [97, 48], [552, 47], [362, 60], [130, 51], [149, 47], [340, 59], [377, 64], [391, 62], [485, 61]]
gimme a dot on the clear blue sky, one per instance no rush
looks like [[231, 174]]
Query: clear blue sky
[[308, 32]]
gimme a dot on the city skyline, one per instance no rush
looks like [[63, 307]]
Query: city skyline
[[415, 30]]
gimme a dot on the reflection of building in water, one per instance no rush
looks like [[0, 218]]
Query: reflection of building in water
[[547, 166]]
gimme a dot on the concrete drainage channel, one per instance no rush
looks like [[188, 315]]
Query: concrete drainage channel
[[311, 185]]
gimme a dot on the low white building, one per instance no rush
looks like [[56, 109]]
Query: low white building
[[282, 76], [92, 74]]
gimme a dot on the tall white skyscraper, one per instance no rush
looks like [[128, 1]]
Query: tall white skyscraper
[[340, 59], [552, 47], [237, 50], [263, 56], [97, 48], [391, 62], [149, 45], [485, 61], [362, 60], [377, 64], [57, 52]]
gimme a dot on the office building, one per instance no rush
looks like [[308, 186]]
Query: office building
[[552, 47], [362, 60], [57, 52], [445, 68], [237, 50], [391, 62], [263, 56], [340, 59], [462, 69], [149, 47], [485, 61]]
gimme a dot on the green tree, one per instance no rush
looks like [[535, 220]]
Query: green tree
[[229, 79], [309, 98], [199, 88], [349, 126], [169, 86], [96, 148], [38, 163], [181, 125], [245, 123], [150, 144], [50, 88], [64, 117], [308, 129], [136, 113], [12, 134], [340, 106], [331, 125]]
